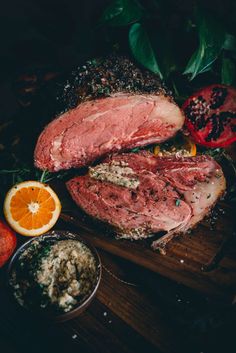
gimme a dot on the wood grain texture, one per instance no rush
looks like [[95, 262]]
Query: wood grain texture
[[154, 315], [122, 318], [187, 255]]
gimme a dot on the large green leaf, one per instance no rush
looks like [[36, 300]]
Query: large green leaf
[[142, 49], [227, 71], [211, 39], [122, 13]]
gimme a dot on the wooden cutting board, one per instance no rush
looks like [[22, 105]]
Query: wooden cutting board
[[204, 260]]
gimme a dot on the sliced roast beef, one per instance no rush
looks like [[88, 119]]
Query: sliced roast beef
[[115, 107], [140, 194]]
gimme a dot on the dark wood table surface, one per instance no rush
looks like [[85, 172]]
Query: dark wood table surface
[[135, 310]]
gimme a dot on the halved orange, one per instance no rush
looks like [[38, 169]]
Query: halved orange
[[31, 208]]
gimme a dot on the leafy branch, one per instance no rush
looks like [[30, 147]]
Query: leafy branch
[[199, 43], [122, 13], [138, 38], [211, 39]]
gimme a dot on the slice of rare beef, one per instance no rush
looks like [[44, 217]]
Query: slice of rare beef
[[116, 107], [140, 194]]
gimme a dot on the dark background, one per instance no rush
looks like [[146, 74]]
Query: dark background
[[63, 33], [40, 41], [43, 37], [59, 33]]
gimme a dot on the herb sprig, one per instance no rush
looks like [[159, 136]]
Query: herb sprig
[[10, 177]]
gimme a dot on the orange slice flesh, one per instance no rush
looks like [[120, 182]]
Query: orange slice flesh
[[186, 149], [31, 208]]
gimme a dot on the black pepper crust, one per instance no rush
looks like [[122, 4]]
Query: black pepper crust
[[103, 77]]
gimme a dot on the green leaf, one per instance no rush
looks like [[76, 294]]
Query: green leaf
[[227, 71], [230, 43], [122, 13], [142, 49], [211, 39], [162, 42]]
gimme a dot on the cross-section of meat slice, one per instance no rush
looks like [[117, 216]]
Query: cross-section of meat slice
[[200, 182], [96, 128], [134, 212], [140, 194], [117, 107]]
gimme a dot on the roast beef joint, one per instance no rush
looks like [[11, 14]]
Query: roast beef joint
[[112, 107], [116, 107]]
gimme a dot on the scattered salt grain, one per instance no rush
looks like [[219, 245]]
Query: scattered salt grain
[[105, 313], [74, 336], [182, 261], [110, 321]]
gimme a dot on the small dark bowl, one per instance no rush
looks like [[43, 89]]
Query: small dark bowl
[[60, 235]]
